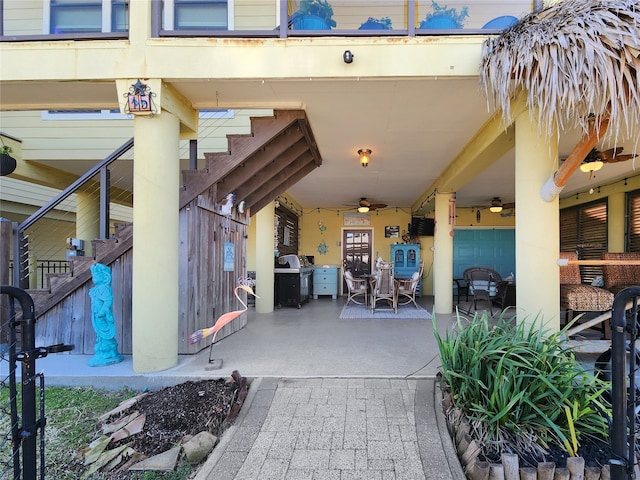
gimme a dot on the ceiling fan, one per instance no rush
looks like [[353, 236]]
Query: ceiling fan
[[497, 206], [596, 159], [365, 205]]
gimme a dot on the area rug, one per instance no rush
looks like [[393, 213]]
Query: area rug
[[356, 312]]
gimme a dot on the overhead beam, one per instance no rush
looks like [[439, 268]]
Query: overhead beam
[[490, 142]]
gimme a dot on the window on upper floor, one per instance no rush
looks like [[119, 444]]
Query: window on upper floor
[[197, 14], [75, 16]]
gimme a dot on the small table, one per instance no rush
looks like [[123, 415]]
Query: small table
[[462, 287]]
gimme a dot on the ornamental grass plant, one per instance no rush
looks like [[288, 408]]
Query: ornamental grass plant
[[520, 387]]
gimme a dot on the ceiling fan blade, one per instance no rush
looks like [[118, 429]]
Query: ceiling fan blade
[[508, 206], [375, 206], [605, 155], [364, 202], [621, 158]]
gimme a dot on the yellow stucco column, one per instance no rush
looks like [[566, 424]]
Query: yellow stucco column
[[616, 221], [537, 227], [156, 183], [265, 223], [87, 219], [443, 256]]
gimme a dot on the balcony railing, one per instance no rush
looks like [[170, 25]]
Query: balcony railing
[[259, 19]]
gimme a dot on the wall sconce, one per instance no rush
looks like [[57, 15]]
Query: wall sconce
[[365, 157], [347, 56]]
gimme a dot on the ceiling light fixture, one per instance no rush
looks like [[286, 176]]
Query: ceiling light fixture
[[496, 205], [363, 209], [591, 166], [365, 158]]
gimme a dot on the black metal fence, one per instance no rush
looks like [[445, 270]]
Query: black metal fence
[[19, 435], [625, 392]]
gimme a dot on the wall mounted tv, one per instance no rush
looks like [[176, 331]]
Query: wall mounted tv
[[423, 227]]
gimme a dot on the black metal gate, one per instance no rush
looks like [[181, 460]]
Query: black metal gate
[[625, 393], [25, 426]]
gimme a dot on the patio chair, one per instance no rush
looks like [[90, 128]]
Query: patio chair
[[485, 284], [357, 288], [619, 277], [383, 287], [576, 296], [406, 288]]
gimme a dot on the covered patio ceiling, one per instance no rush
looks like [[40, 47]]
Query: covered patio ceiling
[[414, 127]]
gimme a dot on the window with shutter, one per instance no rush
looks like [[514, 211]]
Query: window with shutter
[[583, 229], [287, 231], [633, 221]]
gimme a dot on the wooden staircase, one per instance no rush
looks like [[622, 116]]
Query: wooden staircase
[[61, 285]]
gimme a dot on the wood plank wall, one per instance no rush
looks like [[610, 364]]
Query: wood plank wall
[[205, 289]]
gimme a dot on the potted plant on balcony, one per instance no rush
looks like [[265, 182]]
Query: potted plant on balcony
[[376, 24], [444, 18], [313, 15]]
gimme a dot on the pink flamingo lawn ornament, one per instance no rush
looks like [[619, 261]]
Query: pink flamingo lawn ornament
[[222, 320]]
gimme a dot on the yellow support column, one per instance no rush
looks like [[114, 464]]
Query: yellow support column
[[537, 227], [87, 219], [265, 224], [443, 256], [156, 183]]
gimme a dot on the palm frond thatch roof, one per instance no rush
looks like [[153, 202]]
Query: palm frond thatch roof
[[573, 59]]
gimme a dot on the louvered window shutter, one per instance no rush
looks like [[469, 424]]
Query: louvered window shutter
[[584, 229]]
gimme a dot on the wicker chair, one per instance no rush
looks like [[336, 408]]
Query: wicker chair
[[618, 277], [485, 284], [406, 288], [357, 288], [383, 287], [576, 296]]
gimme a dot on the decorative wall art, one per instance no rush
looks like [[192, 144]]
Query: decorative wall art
[[356, 219], [392, 231], [229, 257], [322, 248]]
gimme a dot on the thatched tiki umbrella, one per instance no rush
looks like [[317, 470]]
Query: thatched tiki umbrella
[[578, 63]]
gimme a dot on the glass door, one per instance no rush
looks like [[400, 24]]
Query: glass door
[[356, 251]]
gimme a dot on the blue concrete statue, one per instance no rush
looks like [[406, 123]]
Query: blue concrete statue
[[106, 348]]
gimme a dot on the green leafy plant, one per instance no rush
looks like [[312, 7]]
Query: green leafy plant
[[5, 150], [384, 21], [319, 8], [521, 387], [458, 18]]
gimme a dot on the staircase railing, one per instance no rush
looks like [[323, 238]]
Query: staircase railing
[[20, 247]]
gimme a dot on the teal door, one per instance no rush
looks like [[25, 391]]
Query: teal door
[[493, 248]]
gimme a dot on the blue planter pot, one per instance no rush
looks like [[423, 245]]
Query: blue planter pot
[[439, 22], [310, 22], [502, 22], [373, 26]]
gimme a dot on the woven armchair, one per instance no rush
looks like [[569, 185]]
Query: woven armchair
[[358, 290], [383, 287], [618, 277], [576, 296]]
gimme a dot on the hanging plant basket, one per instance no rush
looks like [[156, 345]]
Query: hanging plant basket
[[7, 163]]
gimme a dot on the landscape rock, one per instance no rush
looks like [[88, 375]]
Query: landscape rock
[[199, 447], [163, 462]]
